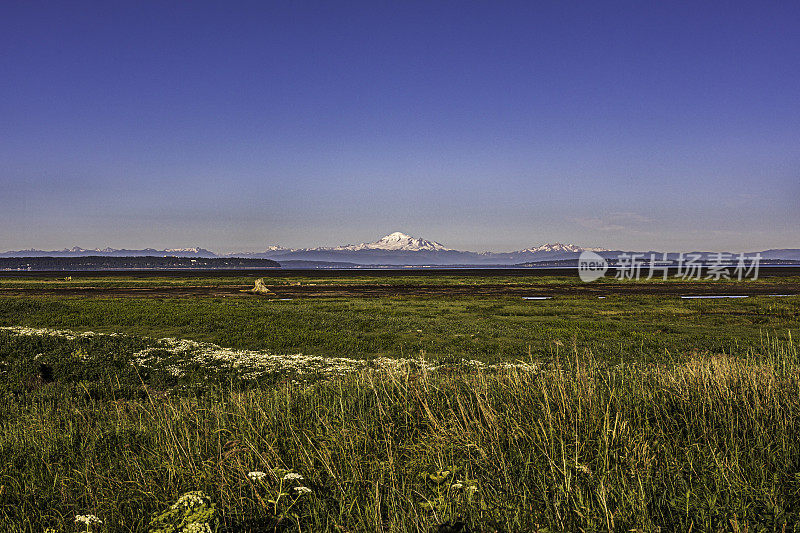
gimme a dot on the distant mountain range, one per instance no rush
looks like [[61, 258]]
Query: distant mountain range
[[112, 252], [400, 249], [394, 249]]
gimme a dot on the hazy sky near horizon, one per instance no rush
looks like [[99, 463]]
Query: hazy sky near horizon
[[481, 125]]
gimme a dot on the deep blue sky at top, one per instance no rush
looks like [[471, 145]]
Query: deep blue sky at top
[[483, 125]]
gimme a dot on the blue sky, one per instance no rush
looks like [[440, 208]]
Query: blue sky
[[482, 125]]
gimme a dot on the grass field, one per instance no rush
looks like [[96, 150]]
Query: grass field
[[405, 413], [640, 327], [243, 278]]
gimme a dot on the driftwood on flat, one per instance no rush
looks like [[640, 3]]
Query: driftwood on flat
[[260, 288]]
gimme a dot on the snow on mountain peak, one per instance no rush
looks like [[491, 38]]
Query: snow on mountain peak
[[194, 250], [397, 241], [396, 236], [560, 247]]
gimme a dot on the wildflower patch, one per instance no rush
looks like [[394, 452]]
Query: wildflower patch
[[174, 360]]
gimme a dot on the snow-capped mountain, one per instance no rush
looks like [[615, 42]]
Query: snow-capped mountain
[[399, 248], [77, 251], [559, 247], [396, 241], [194, 250]]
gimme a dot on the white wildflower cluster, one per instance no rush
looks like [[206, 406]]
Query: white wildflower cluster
[[292, 476], [302, 490], [252, 364], [520, 366], [256, 476], [87, 520], [197, 527], [47, 332], [469, 486], [191, 499], [173, 370], [248, 364]]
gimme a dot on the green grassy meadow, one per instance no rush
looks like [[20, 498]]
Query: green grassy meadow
[[646, 328], [629, 413], [240, 277]]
